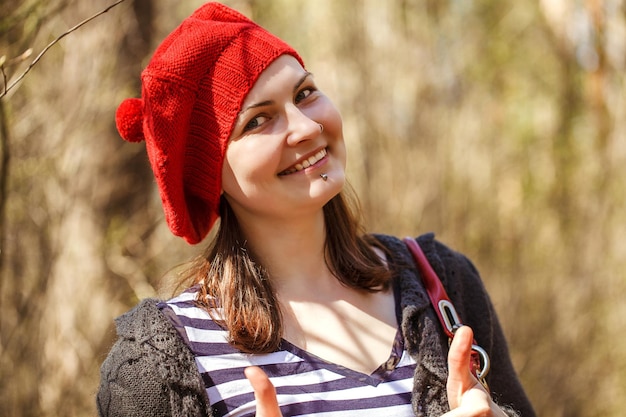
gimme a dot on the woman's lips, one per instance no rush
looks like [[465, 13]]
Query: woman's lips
[[312, 160]]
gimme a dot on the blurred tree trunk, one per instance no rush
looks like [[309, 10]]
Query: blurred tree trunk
[[70, 184]]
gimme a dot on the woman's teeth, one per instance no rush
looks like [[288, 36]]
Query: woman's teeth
[[306, 163]]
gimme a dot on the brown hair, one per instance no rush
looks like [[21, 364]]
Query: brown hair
[[232, 281]]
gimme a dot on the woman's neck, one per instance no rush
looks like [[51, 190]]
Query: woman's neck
[[292, 251]]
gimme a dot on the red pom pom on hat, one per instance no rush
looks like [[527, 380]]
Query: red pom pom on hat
[[129, 119]]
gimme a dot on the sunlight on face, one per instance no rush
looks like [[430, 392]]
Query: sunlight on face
[[278, 151]]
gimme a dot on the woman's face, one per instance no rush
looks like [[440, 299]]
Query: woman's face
[[278, 152]]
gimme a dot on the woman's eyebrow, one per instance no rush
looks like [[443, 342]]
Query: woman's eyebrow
[[254, 105], [306, 75], [268, 102]]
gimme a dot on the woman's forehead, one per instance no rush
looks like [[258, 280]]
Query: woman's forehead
[[284, 72]]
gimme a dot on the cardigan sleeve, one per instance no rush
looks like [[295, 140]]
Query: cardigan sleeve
[[468, 294], [121, 393], [149, 370]]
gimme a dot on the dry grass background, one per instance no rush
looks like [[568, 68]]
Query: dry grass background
[[499, 125]]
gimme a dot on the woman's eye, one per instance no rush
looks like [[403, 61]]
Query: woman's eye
[[304, 93], [254, 123]]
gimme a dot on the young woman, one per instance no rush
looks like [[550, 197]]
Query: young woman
[[290, 290]]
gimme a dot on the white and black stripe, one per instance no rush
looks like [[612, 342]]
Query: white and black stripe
[[305, 384]]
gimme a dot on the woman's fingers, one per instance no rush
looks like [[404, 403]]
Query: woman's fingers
[[466, 396], [264, 392], [460, 380]]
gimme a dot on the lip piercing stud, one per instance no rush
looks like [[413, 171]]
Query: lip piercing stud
[[324, 177]]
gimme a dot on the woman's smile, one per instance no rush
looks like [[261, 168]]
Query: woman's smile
[[304, 163]]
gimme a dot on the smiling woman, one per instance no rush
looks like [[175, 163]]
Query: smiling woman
[[290, 288], [277, 150]]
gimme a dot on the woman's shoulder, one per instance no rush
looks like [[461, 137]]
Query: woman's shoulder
[[437, 252], [147, 357], [457, 273], [144, 336], [455, 270], [142, 320]]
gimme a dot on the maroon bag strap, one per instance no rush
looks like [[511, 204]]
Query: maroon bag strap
[[448, 317]]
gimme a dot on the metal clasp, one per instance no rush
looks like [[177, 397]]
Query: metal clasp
[[485, 363], [453, 323], [450, 317]]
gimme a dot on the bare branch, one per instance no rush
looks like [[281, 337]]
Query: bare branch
[[50, 45]]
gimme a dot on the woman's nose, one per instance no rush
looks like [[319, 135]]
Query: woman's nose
[[300, 126]]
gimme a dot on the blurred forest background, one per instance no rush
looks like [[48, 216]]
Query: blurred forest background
[[500, 125]]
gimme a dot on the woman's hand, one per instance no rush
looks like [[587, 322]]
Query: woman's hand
[[264, 393], [466, 396]]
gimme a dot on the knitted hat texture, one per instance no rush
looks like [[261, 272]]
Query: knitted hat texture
[[192, 92]]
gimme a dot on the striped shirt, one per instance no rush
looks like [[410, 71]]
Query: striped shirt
[[306, 385]]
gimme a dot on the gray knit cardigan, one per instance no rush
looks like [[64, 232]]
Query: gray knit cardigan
[[151, 372]]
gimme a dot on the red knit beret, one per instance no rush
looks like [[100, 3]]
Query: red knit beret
[[192, 92]]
